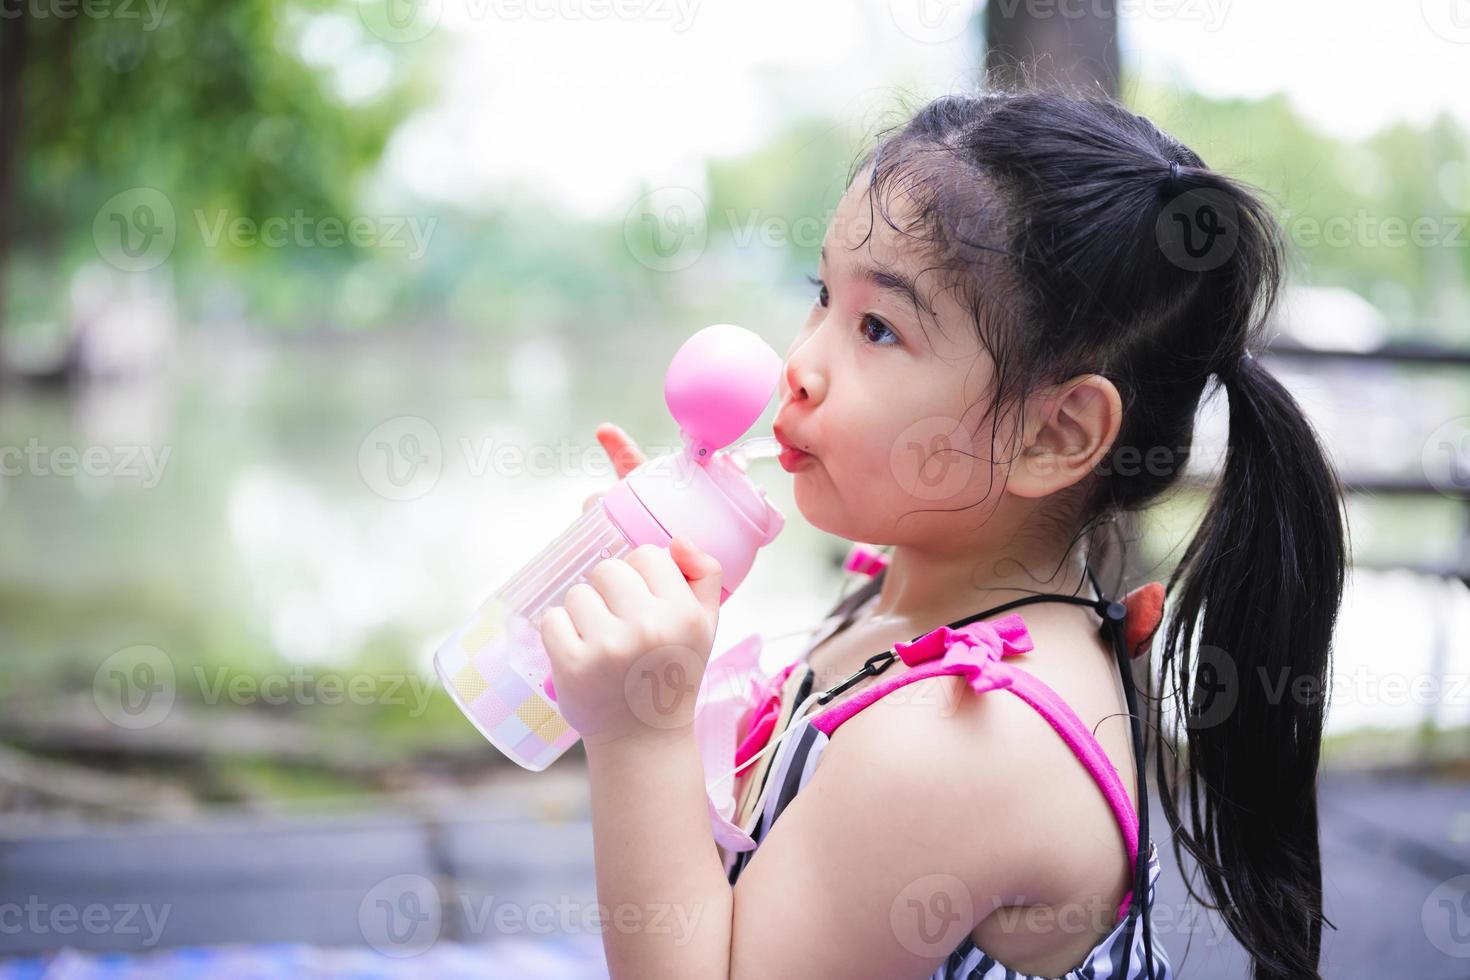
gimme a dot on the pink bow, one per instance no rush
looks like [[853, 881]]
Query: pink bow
[[1005, 637]]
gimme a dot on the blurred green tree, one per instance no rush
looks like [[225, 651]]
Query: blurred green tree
[[214, 105]]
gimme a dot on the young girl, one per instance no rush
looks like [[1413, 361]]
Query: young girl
[[1021, 299]]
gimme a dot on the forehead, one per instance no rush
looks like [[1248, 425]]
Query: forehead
[[862, 227], [863, 247]]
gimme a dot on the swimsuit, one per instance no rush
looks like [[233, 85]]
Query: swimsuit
[[976, 652]]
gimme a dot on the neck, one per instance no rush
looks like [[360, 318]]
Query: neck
[[931, 585]]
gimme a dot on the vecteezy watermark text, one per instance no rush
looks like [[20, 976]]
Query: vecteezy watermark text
[[36, 917], [137, 687], [35, 458], [150, 12], [309, 231]]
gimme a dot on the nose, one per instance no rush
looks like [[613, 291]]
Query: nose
[[801, 379]]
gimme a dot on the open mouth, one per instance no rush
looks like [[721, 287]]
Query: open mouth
[[791, 457]]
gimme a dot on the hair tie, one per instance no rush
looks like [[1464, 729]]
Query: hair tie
[[1227, 375], [1172, 185]]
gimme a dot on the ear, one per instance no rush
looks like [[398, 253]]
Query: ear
[[1071, 428]]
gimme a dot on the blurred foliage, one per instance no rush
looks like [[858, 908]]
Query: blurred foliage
[[782, 196], [227, 110], [216, 106], [1341, 200]]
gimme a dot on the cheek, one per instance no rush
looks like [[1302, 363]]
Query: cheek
[[932, 462]]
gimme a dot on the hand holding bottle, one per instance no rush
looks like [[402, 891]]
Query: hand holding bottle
[[625, 599]]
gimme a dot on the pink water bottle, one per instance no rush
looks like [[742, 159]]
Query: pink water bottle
[[717, 385]]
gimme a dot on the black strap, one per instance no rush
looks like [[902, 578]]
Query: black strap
[[1115, 622], [1114, 615]]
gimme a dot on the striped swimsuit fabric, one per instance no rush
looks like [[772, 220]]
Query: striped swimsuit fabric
[[794, 761]]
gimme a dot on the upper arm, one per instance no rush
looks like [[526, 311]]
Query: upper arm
[[890, 854]]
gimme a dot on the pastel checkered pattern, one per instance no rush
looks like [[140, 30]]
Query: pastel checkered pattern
[[494, 667]]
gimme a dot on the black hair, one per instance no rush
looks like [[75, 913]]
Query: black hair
[[1083, 239]]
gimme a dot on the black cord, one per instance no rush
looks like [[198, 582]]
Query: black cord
[[1115, 620]]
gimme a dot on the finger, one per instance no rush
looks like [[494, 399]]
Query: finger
[[588, 612], [559, 636], [620, 448], [592, 499], [659, 571], [702, 570], [621, 587]]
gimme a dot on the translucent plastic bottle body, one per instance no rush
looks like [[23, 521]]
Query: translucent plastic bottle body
[[495, 666]]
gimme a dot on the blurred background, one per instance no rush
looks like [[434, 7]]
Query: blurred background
[[309, 308]]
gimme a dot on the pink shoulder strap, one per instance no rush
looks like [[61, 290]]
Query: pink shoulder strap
[[976, 653]]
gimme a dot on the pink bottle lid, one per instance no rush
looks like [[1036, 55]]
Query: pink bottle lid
[[718, 383]]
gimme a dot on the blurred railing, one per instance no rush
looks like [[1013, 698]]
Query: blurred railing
[[1407, 353], [1419, 355]]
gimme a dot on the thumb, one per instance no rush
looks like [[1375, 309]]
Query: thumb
[[702, 570]]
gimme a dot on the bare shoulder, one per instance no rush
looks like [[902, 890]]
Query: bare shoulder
[[986, 779], [954, 762]]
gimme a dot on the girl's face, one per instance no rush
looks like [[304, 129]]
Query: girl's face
[[885, 391]]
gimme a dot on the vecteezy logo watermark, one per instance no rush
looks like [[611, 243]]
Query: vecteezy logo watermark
[[402, 458], [1364, 229], [932, 21], [135, 687], [932, 914], [301, 686], [307, 231], [929, 459], [400, 21], [1210, 12], [1446, 458], [941, 21], [567, 916], [1098, 912], [150, 12], [401, 916], [1365, 686], [1198, 230], [661, 686], [1216, 688], [776, 231], [35, 917], [135, 230], [143, 463], [406, 21], [1445, 917], [1448, 19], [667, 229]]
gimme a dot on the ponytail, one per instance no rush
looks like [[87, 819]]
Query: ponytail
[[1258, 588]]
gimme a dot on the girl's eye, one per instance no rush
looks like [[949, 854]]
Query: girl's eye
[[872, 329], [872, 325], [822, 295]]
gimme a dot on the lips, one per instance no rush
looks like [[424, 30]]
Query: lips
[[791, 457], [786, 440]]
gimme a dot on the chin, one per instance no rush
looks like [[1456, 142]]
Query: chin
[[821, 511]]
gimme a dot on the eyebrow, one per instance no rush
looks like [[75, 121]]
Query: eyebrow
[[889, 281]]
